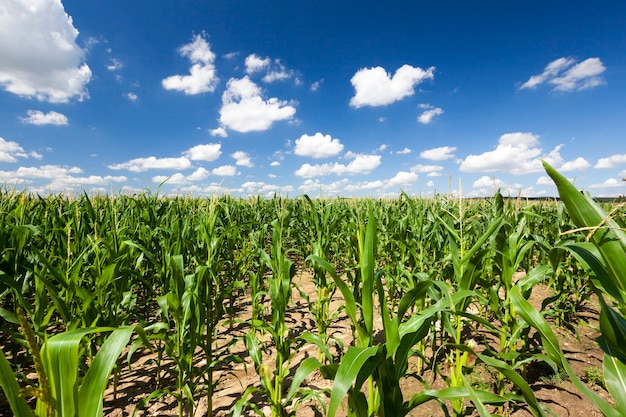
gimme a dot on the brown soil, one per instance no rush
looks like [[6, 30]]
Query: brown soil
[[554, 392]]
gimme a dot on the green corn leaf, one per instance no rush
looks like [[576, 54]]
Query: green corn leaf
[[60, 360], [305, 369], [61, 363], [350, 302], [554, 352], [351, 364], [368, 249], [613, 329], [475, 399], [11, 389], [606, 233], [590, 258], [614, 375], [453, 393], [97, 377]]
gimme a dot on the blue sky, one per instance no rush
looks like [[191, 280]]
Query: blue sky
[[338, 98]]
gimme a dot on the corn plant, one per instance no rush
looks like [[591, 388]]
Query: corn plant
[[61, 390], [285, 343], [603, 254]]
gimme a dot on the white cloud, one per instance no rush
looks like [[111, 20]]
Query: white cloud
[[404, 151], [224, 171], [10, 151], [244, 110], [438, 154], [516, 153], [566, 75], [575, 165], [180, 179], [115, 65], [261, 188], [544, 180], [39, 57], [402, 179], [132, 96], [275, 164], [174, 179], [428, 115], [57, 177], [376, 87], [36, 117], [242, 159], [255, 63], [208, 152], [198, 175], [611, 161], [219, 131], [202, 76], [318, 146], [316, 85], [276, 71], [144, 164], [486, 181], [610, 183], [419, 168], [362, 164]]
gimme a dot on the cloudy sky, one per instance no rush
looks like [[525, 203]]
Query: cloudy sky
[[333, 98]]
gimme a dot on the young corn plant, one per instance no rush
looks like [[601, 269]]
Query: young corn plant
[[603, 254], [285, 343], [62, 391]]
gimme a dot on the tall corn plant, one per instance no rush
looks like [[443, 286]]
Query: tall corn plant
[[62, 391], [603, 254]]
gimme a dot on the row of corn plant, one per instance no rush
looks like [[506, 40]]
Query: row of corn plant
[[434, 271]]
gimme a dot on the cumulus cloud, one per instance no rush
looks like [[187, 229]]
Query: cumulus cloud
[[180, 179], [39, 57], [10, 151], [567, 75], [544, 180], [610, 183], [57, 177], [262, 188], [255, 63], [244, 109], [485, 186], [438, 154], [419, 168], [242, 159], [575, 165], [224, 171], [518, 154], [208, 152], [376, 87], [202, 76], [274, 70], [318, 146], [402, 179], [36, 117], [219, 131], [132, 96], [429, 114], [611, 161], [316, 85], [362, 164], [145, 164], [404, 151]]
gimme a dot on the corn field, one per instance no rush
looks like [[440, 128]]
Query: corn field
[[432, 291]]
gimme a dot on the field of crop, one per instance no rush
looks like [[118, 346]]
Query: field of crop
[[149, 305]]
